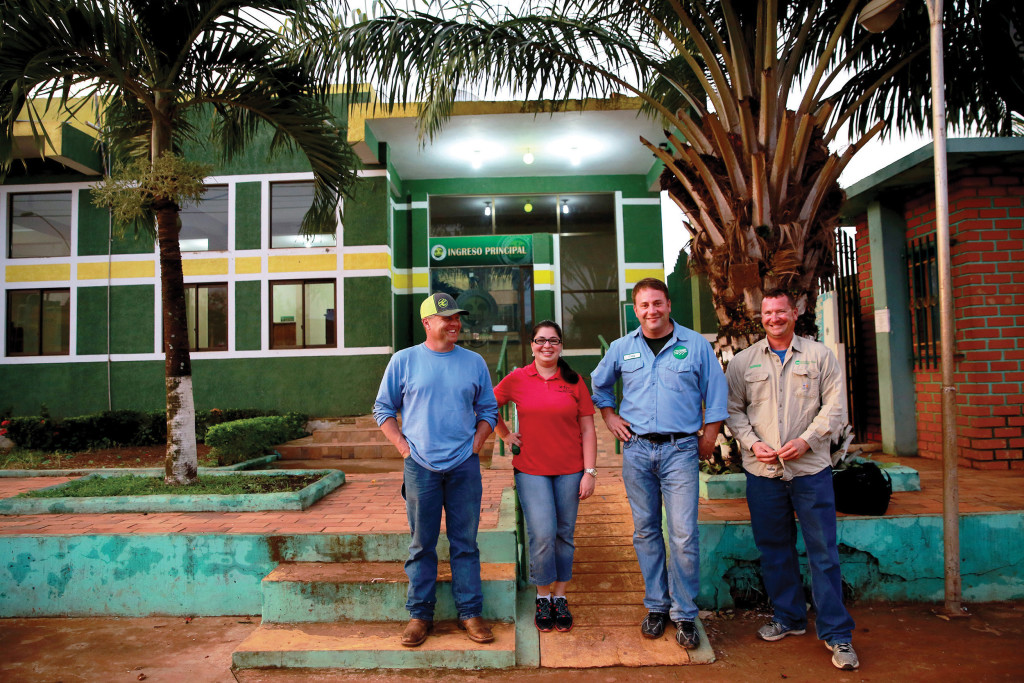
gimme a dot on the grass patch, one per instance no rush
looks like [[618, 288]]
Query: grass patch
[[134, 485], [31, 459]]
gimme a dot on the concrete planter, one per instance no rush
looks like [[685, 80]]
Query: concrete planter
[[729, 486]]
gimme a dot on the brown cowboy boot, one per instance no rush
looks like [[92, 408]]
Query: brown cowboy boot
[[416, 632], [477, 629]]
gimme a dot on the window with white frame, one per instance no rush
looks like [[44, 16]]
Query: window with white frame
[[38, 322], [38, 224], [289, 203], [206, 307], [302, 314], [204, 226]]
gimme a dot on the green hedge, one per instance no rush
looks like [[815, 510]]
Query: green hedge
[[111, 428], [242, 440]]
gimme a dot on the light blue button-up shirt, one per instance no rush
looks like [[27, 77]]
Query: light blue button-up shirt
[[679, 390]]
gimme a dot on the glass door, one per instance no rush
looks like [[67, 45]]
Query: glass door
[[499, 305]]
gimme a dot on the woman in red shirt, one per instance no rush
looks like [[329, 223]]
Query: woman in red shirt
[[554, 469]]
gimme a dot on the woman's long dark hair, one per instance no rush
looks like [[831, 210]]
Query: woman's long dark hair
[[568, 374]]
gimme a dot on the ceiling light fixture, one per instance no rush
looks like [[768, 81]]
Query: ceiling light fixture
[[477, 159], [487, 208], [574, 156], [527, 207], [528, 157], [565, 206]]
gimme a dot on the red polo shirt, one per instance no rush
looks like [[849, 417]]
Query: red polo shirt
[[549, 420]]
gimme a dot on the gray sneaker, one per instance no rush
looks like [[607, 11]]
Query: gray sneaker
[[843, 656], [773, 631]]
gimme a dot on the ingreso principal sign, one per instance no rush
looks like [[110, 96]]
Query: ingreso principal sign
[[481, 250]]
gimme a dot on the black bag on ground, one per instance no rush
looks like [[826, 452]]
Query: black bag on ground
[[862, 488]]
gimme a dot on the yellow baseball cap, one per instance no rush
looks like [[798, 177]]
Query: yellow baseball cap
[[439, 304]]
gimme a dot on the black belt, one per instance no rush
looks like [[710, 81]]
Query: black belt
[[664, 438]]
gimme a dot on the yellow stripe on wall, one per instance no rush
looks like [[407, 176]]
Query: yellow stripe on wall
[[248, 264], [637, 274], [421, 279], [370, 261], [118, 269], [303, 263], [543, 276], [40, 273], [205, 266]]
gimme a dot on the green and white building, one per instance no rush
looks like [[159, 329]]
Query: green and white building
[[521, 216]]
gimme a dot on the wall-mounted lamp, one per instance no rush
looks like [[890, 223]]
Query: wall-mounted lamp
[[487, 208], [527, 207], [528, 157], [565, 206]]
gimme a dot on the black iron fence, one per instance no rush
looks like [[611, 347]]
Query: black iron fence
[[923, 278], [845, 286]]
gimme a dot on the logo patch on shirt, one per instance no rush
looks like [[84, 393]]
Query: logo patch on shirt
[[755, 366], [630, 356], [680, 352]]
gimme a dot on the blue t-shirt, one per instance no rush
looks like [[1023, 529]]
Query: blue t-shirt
[[781, 354], [441, 396]]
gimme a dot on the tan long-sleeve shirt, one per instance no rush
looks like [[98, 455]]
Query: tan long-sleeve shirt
[[775, 402]]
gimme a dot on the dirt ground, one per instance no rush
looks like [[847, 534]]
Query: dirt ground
[[128, 456], [895, 642]]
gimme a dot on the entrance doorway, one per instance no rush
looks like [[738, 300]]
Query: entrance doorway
[[499, 305]]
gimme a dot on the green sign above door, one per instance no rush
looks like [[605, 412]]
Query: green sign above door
[[481, 250]]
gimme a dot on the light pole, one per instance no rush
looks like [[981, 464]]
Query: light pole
[[878, 16]]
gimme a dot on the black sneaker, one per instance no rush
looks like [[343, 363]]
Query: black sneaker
[[653, 625], [563, 617], [686, 634], [543, 619]]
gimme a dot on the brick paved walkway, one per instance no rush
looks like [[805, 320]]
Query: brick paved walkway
[[373, 503]]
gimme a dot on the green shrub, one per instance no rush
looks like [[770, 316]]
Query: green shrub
[[110, 428], [250, 438]]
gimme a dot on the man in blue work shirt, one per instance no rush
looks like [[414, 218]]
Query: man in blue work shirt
[[674, 399], [448, 409]]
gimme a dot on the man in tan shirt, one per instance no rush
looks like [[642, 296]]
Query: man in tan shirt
[[785, 403]]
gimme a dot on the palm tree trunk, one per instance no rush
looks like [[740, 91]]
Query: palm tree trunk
[[181, 464]]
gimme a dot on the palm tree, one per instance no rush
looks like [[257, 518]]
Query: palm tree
[[158, 67], [752, 93]]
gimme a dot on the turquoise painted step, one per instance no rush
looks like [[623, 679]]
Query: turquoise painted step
[[298, 592], [729, 486], [371, 645]]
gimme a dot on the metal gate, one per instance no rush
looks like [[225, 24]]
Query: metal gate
[[844, 284]]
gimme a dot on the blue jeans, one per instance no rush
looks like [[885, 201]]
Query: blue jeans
[[549, 506], [457, 492], [665, 473], [772, 503]]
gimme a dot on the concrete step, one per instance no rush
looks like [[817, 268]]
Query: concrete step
[[297, 592], [347, 465], [308, 449], [372, 645], [350, 435]]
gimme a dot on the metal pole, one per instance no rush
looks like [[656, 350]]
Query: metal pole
[[950, 489]]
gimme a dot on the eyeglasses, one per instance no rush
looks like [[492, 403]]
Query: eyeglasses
[[541, 341]]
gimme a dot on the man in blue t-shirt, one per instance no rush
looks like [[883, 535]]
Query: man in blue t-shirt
[[448, 409]]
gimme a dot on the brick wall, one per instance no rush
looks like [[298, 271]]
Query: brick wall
[[987, 230]]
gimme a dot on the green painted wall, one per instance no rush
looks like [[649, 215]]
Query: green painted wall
[[248, 305], [320, 386], [365, 220], [131, 319], [642, 233], [544, 305], [248, 211], [405, 319], [367, 311], [92, 320], [93, 228]]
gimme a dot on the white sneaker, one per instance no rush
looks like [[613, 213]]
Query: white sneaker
[[843, 656], [773, 631]]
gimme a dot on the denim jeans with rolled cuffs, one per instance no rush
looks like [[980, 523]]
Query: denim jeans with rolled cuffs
[[457, 492], [657, 473], [550, 504], [772, 503]]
